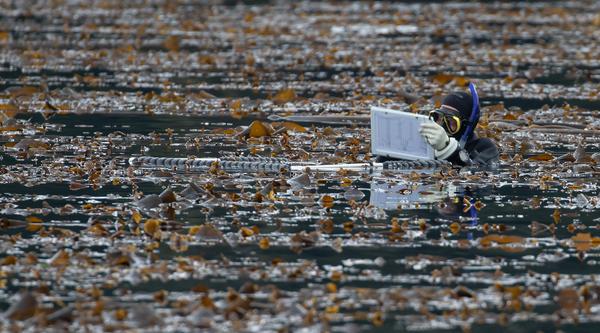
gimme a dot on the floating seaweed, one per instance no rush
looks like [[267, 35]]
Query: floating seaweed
[[225, 235]]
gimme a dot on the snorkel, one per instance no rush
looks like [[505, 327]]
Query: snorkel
[[475, 112]]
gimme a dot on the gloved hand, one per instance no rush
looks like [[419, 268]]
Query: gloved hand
[[435, 135]]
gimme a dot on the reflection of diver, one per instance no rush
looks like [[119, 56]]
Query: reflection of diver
[[462, 206], [459, 206], [451, 202], [389, 196]]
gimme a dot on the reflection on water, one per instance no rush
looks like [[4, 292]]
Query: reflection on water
[[392, 196]]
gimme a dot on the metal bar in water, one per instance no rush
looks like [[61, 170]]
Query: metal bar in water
[[337, 167], [335, 120]]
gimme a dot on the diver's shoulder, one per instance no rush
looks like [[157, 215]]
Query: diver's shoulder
[[483, 142]]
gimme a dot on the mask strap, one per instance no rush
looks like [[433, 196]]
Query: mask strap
[[474, 116]]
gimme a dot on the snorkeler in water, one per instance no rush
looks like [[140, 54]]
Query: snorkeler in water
[[452, 132]]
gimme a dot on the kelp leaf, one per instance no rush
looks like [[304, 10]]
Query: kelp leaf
[[543, 157], [284, 96]]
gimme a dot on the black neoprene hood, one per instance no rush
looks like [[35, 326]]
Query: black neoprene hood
[[463, 102]]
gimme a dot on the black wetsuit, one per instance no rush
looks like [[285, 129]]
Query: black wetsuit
[[479, 151], [482, 151]]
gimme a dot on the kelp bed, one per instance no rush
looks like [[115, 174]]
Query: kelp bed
[[90, 242]]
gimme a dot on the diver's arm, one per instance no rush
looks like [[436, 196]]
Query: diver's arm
[[445, 148], [485, 152], [460, 156], [482, 151], [454, 154], [450, 149]]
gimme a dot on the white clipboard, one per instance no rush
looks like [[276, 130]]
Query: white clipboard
[[396, 134]]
